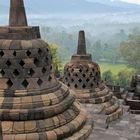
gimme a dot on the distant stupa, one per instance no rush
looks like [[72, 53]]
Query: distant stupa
[[33, 104], [83, 76], [133, 95]]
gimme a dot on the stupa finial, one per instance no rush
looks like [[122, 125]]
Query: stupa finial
[[81, 43], [17, 15]]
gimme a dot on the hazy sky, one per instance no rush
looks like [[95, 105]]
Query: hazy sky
[[132, 1], [129, 1]]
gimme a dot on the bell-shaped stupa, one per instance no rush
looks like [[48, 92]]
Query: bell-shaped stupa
[[133, 96], [33, 104], [83, 76]]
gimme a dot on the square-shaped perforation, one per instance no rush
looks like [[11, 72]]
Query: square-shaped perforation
[[84, 86], [2, 72], [14, 53], [72, 80], [1, 53], [22, 63], [47, 50], [39, 82], [16, 72], [40, 52], [84, 75], [28, 53], [68, 85], [50, 78], [8, 63], [36, 62], [80, 70], [76, 86], [91, 85], [44, 70], [87, 79], [9, 83], [46, 59], [80, 80], [25, 83], [31, 72]]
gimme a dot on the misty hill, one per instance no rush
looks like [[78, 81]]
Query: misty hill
[[73, 6], [80, 6]]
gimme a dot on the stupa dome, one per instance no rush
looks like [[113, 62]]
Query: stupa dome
[[83, 76], [34, 105]]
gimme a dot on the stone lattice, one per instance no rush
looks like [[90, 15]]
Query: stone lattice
[[133, 95], [33, 104], [83, 75]]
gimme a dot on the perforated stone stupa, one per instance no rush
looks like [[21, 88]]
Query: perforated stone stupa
[[33, 104], [133, 95], [83, 75]]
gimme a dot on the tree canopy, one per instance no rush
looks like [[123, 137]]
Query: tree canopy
[[131, 50]]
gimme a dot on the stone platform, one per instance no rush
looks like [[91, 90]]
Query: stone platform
[[125, 128]]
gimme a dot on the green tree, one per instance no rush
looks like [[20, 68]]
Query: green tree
[[131, 51], [124, 77], [56, 60], [107, 76]]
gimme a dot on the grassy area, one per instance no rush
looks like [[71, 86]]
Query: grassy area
[[114, 68]]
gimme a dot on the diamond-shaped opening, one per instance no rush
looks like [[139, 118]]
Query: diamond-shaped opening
[[25, 83], [46, 59], [2, 72], [66, 78], [68, 74], [40, 52], [39, 82], [93, 69], [51, 57], [50, 78], [16, 72], [88, 80], [9, 83], [14, 53], [91, 85], [44, 70], [80, 70], [51, 67], [28, 53], [72, 70], [72, 80], [47, 50], [87, 70], [36, 61], [22, 63], [84, 75], [68, 85], [84, 86], [76, 75], [76, 86], [80, 80], [1, 53], [91, 74], [31, 72], [8, 63]]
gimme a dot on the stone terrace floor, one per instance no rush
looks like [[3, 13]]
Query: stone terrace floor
[[126, 128]]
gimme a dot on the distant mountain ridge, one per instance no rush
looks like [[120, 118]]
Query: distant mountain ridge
[[73, 6]]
